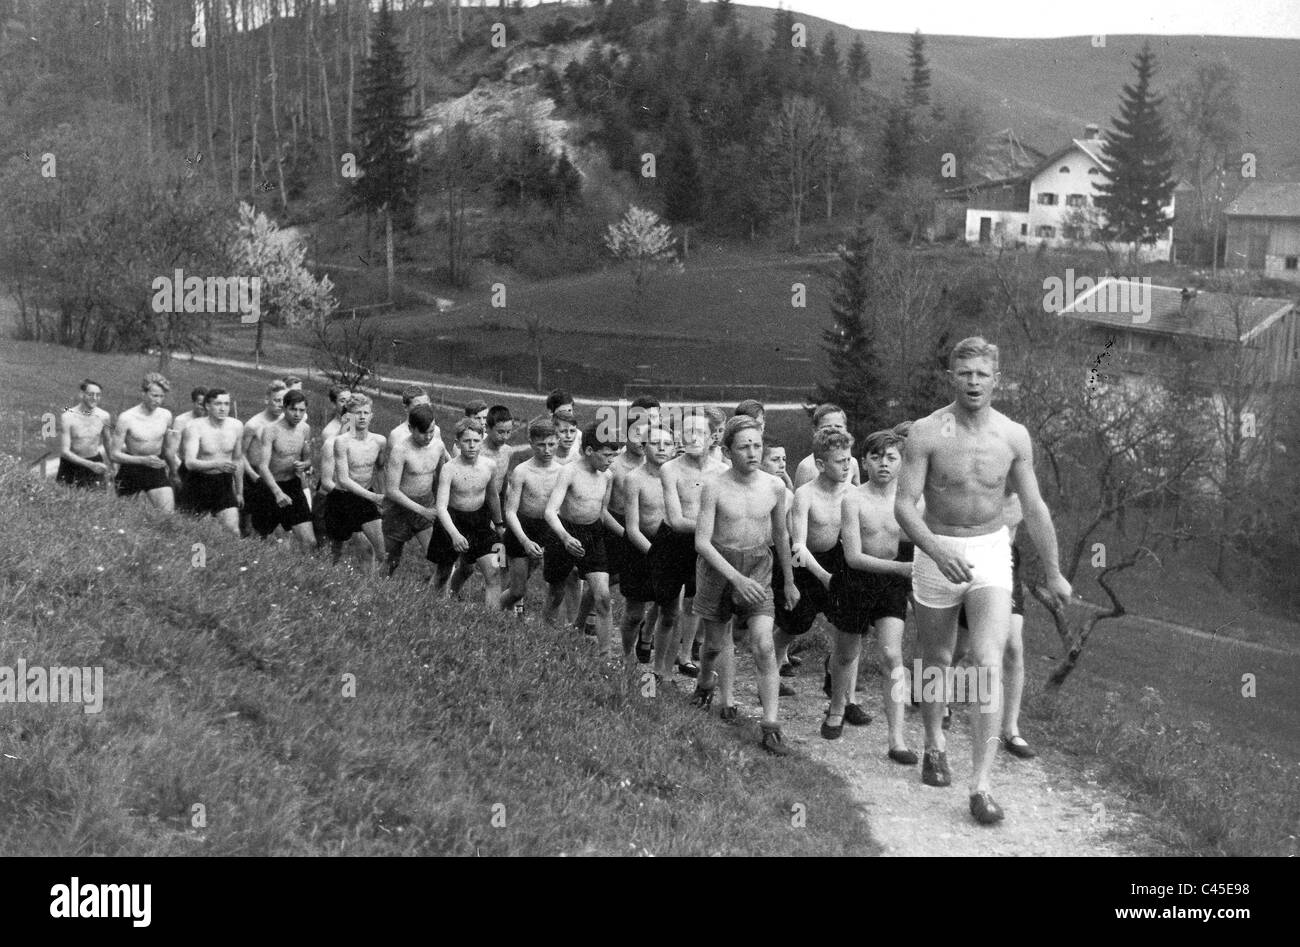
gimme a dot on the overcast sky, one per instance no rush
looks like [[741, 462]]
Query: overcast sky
[[1047, 18]]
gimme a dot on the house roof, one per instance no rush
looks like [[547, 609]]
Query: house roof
[[1209, 316], [1094, 148], [1259, 199]]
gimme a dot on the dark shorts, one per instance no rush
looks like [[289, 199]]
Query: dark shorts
[[672, 565], [75, 475], [813, 596], [286, 517], [401, 525], [535, 528], [635, 582], [319, 504], [137, 478], [714, 597], [211, 492], [860, 599], [559, 563], [259, 503], [475, 526], [615, 550], [1017, 590], [183, 490], [347, 513]]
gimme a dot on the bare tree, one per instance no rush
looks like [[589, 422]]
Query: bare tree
[[796, 143]]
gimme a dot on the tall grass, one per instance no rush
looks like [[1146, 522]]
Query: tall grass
[[226, 688]]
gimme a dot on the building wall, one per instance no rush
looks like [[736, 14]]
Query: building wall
[[1282, 238], [1005, 229]]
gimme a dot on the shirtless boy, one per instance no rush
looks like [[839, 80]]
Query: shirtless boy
[[643, 496], [259, 505], [962, 459], [409, 497], [85, 440], [358, 482], [173, 449], [212, 448], [469, 514], [741, 520], [528, 488], [815, 535], [672, 549], [826, 416], [285, 452], [138, 442], [871, 592], [578, 513]]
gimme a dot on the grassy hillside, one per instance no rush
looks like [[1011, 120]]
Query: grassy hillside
[[1048, 89], [225, 688]]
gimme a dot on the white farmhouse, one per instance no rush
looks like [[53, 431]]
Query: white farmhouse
[[1055, 203]]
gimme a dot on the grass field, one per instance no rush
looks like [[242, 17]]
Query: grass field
[[226, 687]]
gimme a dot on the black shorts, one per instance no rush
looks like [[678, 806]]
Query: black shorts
[[535, 528], [860, 599], [475, 526], [259, 503], [615, 550], [401, 525], [264, 521], [319, 504], [672, 565], [138, 478], [211, 492], [1017, 590], [75, 475], [559, 563], [347, 513], [813, 596], [183, 490], [636, 582]]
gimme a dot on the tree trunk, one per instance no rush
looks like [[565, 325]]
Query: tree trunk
[[388, 249], [275, 123], [254, 108], [234, 125]]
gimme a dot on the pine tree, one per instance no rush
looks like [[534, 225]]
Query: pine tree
[[683, 188], [566, 186], [1138, 172], [897, 146], [388, 183], [723, 13], [859, 64], [856, 382], [617, 138], [918, 88], [782, 24], [830, 54]]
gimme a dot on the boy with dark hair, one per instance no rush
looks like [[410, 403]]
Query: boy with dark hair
[[85, 440], [259, 504], [213, 451], [285, 459], [750, 408], [578, 513], [409, 501], [528, 488]]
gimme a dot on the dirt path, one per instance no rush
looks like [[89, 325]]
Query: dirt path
[[1052, 807]]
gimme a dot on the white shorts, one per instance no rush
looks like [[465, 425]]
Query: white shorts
[[991, 556]]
